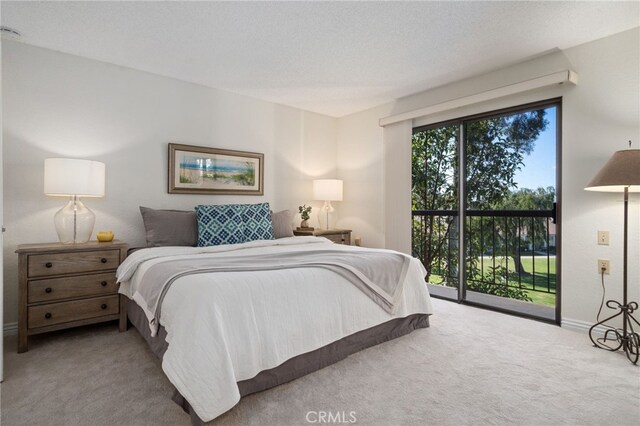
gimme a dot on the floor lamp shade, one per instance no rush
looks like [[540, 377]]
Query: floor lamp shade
[[327, 190], [74, 178], [620, 174]]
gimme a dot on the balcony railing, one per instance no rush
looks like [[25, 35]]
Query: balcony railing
[[507, 252]]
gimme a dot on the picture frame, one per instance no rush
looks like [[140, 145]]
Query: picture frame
[[204, 170]]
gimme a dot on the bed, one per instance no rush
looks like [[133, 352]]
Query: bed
[[229, 320]]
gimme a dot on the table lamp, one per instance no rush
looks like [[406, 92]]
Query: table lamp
[[66, 177], [327, 190], [620, 174]]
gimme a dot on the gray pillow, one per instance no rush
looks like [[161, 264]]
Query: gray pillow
[[282, 224], [169, 227]]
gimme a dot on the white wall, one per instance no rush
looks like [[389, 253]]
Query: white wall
[[599, 115], [1, 241], [360, 159], [56, 104]]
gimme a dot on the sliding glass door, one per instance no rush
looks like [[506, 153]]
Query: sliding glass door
[[504, 202], [435, 201]]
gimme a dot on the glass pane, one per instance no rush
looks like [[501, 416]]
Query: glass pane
[[435, 205], [510, 183]]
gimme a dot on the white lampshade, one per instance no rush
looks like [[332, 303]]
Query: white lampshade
[[327, 189], [66, 177]]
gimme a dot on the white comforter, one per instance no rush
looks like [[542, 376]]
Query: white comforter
[[226, 327]]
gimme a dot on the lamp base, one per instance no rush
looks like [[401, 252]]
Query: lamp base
[[625, 338], [74, 222], [326, 215]]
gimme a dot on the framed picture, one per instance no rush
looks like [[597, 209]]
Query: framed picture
[[203, 170]]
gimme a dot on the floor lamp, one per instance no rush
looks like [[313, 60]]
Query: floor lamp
[[620, 174]]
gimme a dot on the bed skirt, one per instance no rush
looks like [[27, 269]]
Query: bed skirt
[[295, 367]]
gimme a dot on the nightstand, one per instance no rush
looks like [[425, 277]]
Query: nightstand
[[68, 285], [339, 236]]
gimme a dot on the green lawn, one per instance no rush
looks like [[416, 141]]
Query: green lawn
[[542, 274]]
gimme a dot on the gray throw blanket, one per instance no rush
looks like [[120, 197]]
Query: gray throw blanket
[[379, 275]]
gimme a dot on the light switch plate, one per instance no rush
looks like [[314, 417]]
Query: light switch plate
[[603, 238]]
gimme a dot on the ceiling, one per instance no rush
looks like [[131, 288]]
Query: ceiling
[[332, 58]]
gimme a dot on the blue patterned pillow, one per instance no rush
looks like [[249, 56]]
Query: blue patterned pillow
[[221, 224], [257, 221]]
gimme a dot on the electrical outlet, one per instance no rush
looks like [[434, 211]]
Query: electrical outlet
[[604, 264], [603, 238]]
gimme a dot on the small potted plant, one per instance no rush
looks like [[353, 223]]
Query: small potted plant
[[304, 211]]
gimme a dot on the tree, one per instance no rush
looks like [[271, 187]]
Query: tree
[[434, 187], [495, 150], [518, 234]]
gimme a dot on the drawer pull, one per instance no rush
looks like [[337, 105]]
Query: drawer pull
[[48, 290], [48, 264], [103, 306], [47, 315], [103, 260], [103, 283]]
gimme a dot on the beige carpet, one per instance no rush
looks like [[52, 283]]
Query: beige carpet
[[472, 367]]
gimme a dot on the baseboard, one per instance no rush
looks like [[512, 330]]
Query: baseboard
[[10, 329], [582, 326]]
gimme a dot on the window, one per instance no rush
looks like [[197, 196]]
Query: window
[[504, 202]]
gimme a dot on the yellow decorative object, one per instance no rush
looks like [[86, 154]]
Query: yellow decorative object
[[105, 236]]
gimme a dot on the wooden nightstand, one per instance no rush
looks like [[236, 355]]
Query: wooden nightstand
[[339, 236], [68, 285]]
